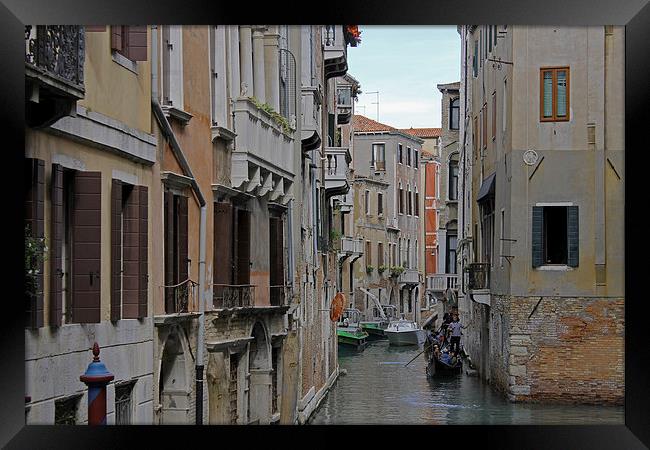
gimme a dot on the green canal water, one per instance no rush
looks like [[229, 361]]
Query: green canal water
[[378, 389]]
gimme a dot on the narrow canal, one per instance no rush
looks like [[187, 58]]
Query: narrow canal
[[378, 389]]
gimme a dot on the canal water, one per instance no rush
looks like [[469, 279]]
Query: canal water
[[378, 389]]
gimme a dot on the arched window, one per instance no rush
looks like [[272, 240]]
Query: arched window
[[409, 201], [453, 180], [401, 199], [454, 113]]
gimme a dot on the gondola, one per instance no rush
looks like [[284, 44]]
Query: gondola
[[436, 367]]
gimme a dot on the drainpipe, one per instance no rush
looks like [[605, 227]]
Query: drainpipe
[[178, 153]]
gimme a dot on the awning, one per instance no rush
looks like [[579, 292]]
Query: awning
[[487, 188]]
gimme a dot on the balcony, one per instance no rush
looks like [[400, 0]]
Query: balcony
[[337, 166], [233, 296], [343, 104], [334, 51], [54, 70], [409, 276], [278, 295], [262, 153], [441, 282], [351, 247], [311, 118], [346, 202], [478, 276], [181, 297]]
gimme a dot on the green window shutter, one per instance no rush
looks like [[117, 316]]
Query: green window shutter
[[548, 93], [561, 93], [573, 236], [538, 236]]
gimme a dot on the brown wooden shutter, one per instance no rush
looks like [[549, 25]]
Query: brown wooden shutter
[[117, 38], [223, 263], [116, 250], [143, 247], [34, 218], [169, 250], [131, 251], [137, 43], [182, 250], [56, 241], [86, 247], [276, 253], [243, 230]]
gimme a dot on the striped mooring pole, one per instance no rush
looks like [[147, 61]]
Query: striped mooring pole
[[96, 378]]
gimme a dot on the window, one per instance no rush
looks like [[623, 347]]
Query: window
[[367, 202], [487, 229], [505, 105], [379, 156], [380, 204], [368, 254], [454, 110], [490, 38], [409, 202], [408, 156], [344, 96], [275, 353], [415, 158], [451, 252], [399, 154], [475, 59], [475, 136], [494, 115], [123, 394], [130, 41], [554, 94], [128, 250], [65, 410], [176, 257], [555, 235], [172, 66], [417, 202], [401, 199], [408, 253], [380, 254], [484, 110], [416, 254], [453, 180]]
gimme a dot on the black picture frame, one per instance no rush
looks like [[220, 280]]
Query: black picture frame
[[634, 14]]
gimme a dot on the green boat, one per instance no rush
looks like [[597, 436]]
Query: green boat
[[375, 328], [348, 331]]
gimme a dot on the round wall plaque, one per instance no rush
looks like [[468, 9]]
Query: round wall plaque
[[530, 157]]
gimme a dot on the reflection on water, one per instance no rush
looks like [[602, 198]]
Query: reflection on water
[[378, 389]]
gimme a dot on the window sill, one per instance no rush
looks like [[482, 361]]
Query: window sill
[[125, 62], [555, 267], [182, 116]]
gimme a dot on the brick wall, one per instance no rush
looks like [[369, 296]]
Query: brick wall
[[559, 349]]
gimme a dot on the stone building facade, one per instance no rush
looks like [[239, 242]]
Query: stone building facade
[[387, 215], [542, 183]]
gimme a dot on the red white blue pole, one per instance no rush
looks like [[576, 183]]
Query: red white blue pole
[[96, 378]]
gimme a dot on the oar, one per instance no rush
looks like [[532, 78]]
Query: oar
[[425, 347]]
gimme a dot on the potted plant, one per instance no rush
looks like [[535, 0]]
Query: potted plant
[[35, 250], [381, 269], [396, 271], [369, 269]]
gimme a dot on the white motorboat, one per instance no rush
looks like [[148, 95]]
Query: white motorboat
[[405, 332]]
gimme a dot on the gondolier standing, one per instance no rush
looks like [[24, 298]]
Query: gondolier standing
[[455, 326]]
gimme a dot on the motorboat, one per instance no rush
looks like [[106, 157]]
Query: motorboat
[[405, 332], [349, 332]]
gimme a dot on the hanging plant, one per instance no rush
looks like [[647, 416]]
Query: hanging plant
[[353, 35], [381, 269], [35, 252], [369, 269], [396, 271], [276, 116]]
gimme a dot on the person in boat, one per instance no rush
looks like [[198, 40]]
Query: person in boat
[[453, 359], [456, 331], [436, 351], [445, 358], [346, 322]]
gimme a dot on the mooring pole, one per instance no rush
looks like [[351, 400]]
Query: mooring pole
[[96, 378]]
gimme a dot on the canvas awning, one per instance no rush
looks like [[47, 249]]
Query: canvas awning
[[487, 188]]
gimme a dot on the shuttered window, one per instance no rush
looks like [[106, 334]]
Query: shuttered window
[[554, 94], [368, 254], [130, 41], [35, 225], [380, 254], [56, 247], [555, 236], [243, 246], [129, 251], [223, 251], [176, 250], [276, 260], [86, 247]]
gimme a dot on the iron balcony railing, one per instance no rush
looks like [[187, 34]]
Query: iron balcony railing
[[478, 275], [181, 297], [57, 50], [278, 295], [234, 295]]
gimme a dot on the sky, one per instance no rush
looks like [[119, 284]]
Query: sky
[[404, 63]]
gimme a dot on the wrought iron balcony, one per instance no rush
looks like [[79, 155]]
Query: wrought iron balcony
[[278, 295], [54, 68], [337, 167], [181, 297], [234, 295], [334, 51], [478, 275], [441, 282]]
